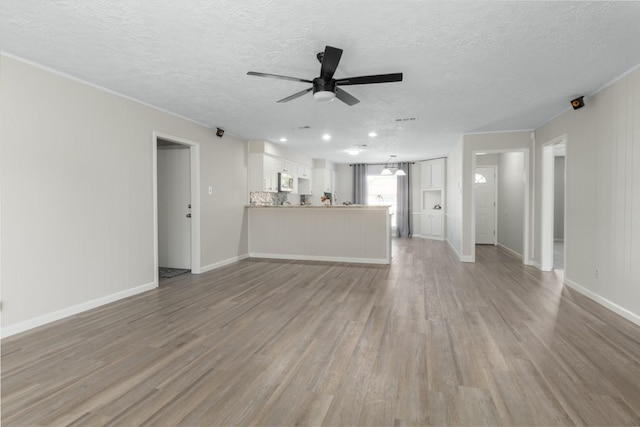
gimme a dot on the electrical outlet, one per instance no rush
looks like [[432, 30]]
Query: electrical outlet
[[210, 190], [597, 272]]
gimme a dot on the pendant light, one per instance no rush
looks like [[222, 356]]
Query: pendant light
[[392, 164]]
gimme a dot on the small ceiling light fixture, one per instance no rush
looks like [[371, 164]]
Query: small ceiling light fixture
[[373, 134], [353, 151], [392, 164], [326, 137], [283, 139]]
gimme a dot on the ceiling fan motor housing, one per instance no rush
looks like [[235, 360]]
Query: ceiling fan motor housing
[[322, 85]]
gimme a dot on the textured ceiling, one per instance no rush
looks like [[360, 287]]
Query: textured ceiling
[[468, 66]]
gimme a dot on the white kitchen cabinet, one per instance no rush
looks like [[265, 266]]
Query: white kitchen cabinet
[[432, 183], [263, 172], [431, 224], [432, 173], [304, 172]]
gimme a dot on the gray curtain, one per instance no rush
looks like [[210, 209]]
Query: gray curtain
[[360, 184], [403, 219]]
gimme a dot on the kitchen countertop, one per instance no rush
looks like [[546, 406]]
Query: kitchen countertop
[[320, 206]]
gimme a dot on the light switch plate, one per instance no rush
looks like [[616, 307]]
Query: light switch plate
[[210, 190]]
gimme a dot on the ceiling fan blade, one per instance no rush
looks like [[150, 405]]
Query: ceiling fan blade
[[276, 76], [364, 80], [296, 95], [346, 97], [330, 61]]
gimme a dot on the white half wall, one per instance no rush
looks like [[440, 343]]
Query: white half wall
[[77, 194]]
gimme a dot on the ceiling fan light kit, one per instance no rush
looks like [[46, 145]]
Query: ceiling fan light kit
[[324, 96], [325, 87]]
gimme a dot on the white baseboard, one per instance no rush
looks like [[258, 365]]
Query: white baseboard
[[298, 257], [511, 251], [222, 263], [453, 248], [75, 309], [629, 315], [467, 258], [426, 236]]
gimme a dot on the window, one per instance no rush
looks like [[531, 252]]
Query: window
[[383, 191], [481, 179]]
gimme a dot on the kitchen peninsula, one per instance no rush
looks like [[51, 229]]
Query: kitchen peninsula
[[360, 234]]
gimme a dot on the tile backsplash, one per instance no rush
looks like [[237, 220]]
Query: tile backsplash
[[264, 198]]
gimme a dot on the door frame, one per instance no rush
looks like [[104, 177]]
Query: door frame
[[547, 203], [194, 163], [495, 198], [526, 240]]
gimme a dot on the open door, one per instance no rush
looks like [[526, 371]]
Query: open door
[[176, 191], [174, 206]]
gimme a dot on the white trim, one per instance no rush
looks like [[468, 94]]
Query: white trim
[[223, 263], [468, 258], [427, 236], [497, 131], [194, 166], [629, 315], [453, 248], [75, 309], [535, 264], [508, 249], [298, 257]]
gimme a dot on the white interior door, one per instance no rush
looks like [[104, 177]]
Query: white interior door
[[485, 204], [174, 199]]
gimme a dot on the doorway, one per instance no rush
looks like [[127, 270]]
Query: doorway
[[512, 212], [174, 209], [553, 239], [176, 206]]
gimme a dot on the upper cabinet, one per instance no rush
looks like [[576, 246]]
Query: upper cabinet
[[432, 174], [264, 169]]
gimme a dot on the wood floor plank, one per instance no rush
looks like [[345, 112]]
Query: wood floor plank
[[427, 340]]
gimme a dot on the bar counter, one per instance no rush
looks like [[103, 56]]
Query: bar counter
[[342, 233]]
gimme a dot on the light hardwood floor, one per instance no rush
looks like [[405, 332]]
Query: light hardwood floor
[[425, 341]]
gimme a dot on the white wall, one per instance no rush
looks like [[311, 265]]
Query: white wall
[[558, 199], [77, 194], [510, 206], [344, 183], [602, 194], [453, 211]]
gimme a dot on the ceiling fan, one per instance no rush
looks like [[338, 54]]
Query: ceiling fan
[[325, 87]]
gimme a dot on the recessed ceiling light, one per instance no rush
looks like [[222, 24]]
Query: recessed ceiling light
[[372, 134], [283, 139], [326, 137], [353, 151]]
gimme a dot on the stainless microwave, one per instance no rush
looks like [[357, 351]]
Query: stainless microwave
[[285, 182]]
